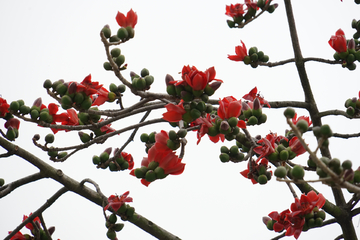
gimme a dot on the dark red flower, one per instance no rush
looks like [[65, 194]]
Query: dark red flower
[[240, 53], [106, 128], [4, 107], [235, 11], [253, 94], [281, 222], [129, 20], [296, 146], [295, 119], [174, 112], [72, 120], [29, 225], [116, 201], [18, 236], [88, 87], [12, 122], [255, 166], [338, 42], [205, 124], [129, 159], [267, 146], [101, 98], [229, 107]]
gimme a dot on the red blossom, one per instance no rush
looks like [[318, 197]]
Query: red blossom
[[253, 94], [338, 42], [129, 159], [296, 146], [101, 98], [18, 236], [89, 87], [72, 120], [12, 122], [4, 107], [205, 124], [240, 53], [129, 20], [174, 112], [267, 146], [235, 11], [161, 141], [295, 119], [29, 225], [251, 4], [116, 201], [281, 222], [106, 128], [229, 107], [255, 166]]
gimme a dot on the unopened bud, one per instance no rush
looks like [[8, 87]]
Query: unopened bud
[[224, 126], [351, 44], [108, 150], [168, 79], [38, 102], [215, 85], [257, 104], [51, 230], [244, 106], [72, 87]]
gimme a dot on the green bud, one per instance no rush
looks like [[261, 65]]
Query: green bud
[[262, 179], [289, 113], [106, 31], [224, 157], [2, 182], [347, 164], [111, 234], [298, 172], [150, 176], [14, 105], [96, 160], [144, 137], [302, 125], [115, 52], [104, 157], [182, 133], [118, 227], [252, 121], [47, 84], [280, 172], [49, 138], [144, 72], [122, 33], [160, 174]]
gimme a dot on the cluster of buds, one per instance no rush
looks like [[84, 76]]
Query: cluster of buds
[[143, 81], [355, 24], [254, 57], [283, 151], [343, 169], [228, 127], [55, 154], [119, 162], [112, 226], [314, 219], [240, 14], [12, 125], [233, 154], [148, 139], [117, 57], [353, 106], [252, 114]]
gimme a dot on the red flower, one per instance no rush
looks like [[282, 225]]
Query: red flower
[[251, 4], [129, 159], [197, 79], [29, 225], [301, 208], [4, 107], [167, 160], [161, 141], [240, 51], [281, 222], [129, 20], [338, 42], [18, 236], [234, 11], [117, 201], [88, 87], [267, 146], [72, 120], [253, 94], [296, 146], [229, 107], [205, 124], [174, 112], [295, 119], [12, 122], [106, 128], [101, 98]]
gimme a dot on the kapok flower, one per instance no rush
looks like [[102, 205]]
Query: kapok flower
[[338, 42], [116, 201], [295, 119], [267, 146], [106, 128], [229, 107], [301, 208], [18, 236], [251, 4], [4, 107], [129, 159], [72, 120], [174, 112], [196, 79], [167, 160], [240, 53], [235, 11], [129, 21], [205, 124], [29, 225], [280, 218], [253, 94], [255, 166], [296, 146]]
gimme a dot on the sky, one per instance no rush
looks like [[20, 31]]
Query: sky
[[210, 200]]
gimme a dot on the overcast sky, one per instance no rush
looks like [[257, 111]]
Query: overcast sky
[[210, 200]]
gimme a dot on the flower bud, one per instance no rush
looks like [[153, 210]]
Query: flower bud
[[38, 102]]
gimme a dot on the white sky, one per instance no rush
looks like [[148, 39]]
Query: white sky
[[210, 200]]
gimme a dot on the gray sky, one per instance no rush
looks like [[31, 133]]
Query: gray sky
[[210, 200]]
